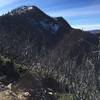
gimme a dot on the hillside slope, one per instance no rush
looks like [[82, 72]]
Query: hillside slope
[[51, 48]]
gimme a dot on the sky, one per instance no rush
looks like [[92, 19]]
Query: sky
[[81, 14]]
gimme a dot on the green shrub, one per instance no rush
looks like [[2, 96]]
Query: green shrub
[[65, 96]]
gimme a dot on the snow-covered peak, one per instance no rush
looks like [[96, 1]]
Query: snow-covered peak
[[26, 7], [23, 9], [30, 8]]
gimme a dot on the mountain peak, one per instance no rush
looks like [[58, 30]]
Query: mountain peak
[[24, 9], [63, 22]]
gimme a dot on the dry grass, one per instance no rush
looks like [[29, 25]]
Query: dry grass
[[10, 95]]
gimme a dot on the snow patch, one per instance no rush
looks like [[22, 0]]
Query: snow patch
[[55, 27], [50, 26], [30, 8]]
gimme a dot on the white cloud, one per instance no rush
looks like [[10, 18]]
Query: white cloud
[[6, 2], [87, 26], [81, 11]]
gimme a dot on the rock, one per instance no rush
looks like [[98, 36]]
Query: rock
[[9, 86], [26, 94]]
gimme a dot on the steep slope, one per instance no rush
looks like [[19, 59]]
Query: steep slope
[[75, 61], [32, 29], [51, 46]]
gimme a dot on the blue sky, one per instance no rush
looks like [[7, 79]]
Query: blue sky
[[83, 14]]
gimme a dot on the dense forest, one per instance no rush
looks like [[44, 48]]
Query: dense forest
[[44, 58]]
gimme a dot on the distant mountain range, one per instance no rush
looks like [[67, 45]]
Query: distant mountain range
[[29, 36], [94, 31]]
